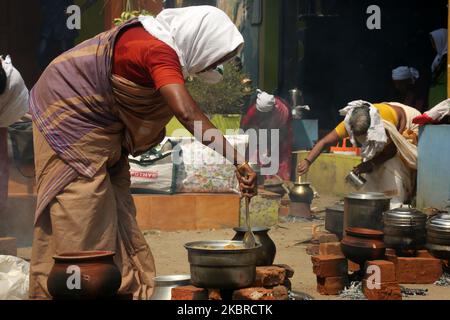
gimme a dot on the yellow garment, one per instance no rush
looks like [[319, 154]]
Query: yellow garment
[[387, 113]]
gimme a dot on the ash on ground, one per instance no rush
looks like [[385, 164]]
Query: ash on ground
[[444, 281], [354, 292], [408, 292]]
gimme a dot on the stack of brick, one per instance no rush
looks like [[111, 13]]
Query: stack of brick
[[272, 283], [313, 249], [421, 269], [331, 272], [380, 281]]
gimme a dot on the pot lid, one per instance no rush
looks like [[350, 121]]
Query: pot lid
[[336, 207], [367, 196], [405, 216], [441, 222]]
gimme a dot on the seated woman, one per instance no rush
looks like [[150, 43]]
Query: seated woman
[[388, 139]]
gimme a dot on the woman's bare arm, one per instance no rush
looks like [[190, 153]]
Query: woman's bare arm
[[188, 113]]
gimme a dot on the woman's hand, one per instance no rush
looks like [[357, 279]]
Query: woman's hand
[[365, 167], [303, 168], [247, 180]]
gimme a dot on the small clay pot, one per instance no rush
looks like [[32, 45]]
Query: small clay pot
[[360, 245], [84, 275]]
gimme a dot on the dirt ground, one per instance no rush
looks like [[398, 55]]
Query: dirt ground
[[171, 256]]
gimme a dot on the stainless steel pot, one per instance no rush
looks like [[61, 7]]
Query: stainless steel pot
[[404, 228], [438, 236], [165, 284], [334, 219], [365, 210], [214, 266]]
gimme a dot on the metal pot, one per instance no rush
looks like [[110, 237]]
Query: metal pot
[[334, 219], [214, 266], [164, 285], [277, 188], [365, 210], [266, 254], [301, 192], [438, 236], [360, 245], [404, 229]]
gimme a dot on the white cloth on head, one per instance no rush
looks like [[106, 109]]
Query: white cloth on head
[[440, 111], [440, 39], [265, 102], [376, 134], [14, 101], [405, 73], [200, 35]]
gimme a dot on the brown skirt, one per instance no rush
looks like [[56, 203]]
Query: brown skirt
[[90, 214]]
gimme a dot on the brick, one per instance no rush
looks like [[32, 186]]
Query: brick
[[329, 266], [255, 294], [281, 293], [214, 295], [189, 293], [289, 271], [269, 276], [333, 248], [387, 270], [418, 270], [312, 249], [352, 266], [325, 237], [8, 246], [331, 286], [382, 291]]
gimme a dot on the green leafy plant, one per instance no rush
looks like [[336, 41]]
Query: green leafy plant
[[130, 12], [226, 97]]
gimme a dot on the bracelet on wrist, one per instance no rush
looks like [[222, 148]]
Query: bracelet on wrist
[[309, 161]]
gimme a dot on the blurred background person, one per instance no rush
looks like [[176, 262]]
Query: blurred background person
[[54, 30], [409, 89], [13, 106], [438, 90], [270, 112]]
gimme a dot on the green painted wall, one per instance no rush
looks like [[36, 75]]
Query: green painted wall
[[270, 49], [327, 174], [92, 20]]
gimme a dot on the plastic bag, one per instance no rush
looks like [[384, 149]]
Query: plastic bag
[[14, 278]]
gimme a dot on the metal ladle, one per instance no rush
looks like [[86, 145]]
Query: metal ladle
[[249, 237]]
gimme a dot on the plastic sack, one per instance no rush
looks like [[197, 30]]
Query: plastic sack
[[14, 278], [154, 172], [203, 170]]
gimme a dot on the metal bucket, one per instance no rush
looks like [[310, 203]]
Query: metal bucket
[[365, 210]]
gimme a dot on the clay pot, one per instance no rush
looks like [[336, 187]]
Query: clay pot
[[99, 277], [360, 245], [266, 254]]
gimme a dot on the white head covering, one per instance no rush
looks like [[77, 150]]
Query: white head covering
[[14, 101], [264, 101], [200, 35], [405, 73], [376, 135], [440, 38]]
